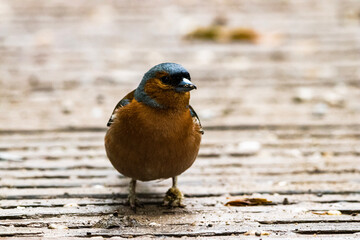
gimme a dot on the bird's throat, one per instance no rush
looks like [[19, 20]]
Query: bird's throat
[[165, 95]]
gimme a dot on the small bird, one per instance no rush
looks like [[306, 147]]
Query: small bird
[[153, 131]]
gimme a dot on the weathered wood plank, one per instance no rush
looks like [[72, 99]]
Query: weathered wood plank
[[197, 189], [295, 205], [270, 141], [114, 180], [206, 200], [200, 212], [215, 159]]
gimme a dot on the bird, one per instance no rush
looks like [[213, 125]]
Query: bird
[[154, 133]]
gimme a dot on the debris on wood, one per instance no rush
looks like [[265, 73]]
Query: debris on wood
[[115, 221], [212, 33], [154, 224], [71, 205], [256, 233], [320, 110], [67, 106], [286, 201], [327, 154], [10, 157], [57, 226], [219, 33], [333, 212], [249, 202], [243, 34], [303, 95], [334, 100], [330, 212]]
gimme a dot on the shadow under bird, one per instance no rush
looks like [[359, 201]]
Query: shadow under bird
[[153, 132]]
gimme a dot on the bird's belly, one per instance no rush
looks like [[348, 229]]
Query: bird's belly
[[147, 155]]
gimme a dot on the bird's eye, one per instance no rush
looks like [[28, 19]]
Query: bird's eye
[[165, 79]]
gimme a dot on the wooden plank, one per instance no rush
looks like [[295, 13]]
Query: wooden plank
[[198, 187], [214, 158], [115, 180], [209, 201], [209, 142], [301, 214]]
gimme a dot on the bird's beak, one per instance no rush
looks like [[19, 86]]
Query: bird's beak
[[185, 86]]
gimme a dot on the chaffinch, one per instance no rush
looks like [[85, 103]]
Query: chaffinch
[[153, 131]]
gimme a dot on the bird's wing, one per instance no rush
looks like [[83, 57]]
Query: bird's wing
[[123, 102], [195, 118]]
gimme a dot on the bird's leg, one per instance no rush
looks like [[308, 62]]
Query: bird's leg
[[133, 202], [173, 196], [132, 194], [174, 182]]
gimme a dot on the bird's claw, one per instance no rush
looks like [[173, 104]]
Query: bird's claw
[[173, 198], [134, 203]]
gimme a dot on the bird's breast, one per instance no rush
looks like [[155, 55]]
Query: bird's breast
[[146, 143]]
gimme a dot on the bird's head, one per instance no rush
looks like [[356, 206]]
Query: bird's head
[[166, 85]]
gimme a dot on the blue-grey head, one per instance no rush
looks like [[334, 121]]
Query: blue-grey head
[[163, 84]]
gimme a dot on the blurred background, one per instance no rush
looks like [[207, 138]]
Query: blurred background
[[67, 63]]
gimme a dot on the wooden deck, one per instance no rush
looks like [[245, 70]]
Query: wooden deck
[[65, 180], [281, 119]]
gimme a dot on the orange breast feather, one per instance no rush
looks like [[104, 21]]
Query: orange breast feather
[[146, 143]]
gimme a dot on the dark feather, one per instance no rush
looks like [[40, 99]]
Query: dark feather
[[196, 118], [123, 102]]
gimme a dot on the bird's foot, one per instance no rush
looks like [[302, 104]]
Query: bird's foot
[[173, 198], [133, 202]]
